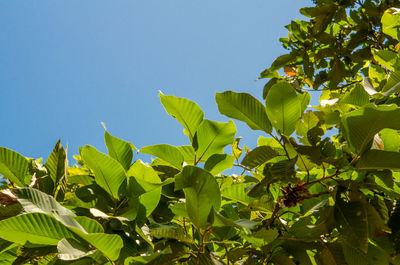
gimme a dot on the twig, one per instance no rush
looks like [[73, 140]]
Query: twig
[[273, 216], [226, 254], [322, 179]]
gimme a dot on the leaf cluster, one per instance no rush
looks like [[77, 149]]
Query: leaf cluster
[[320, 188]]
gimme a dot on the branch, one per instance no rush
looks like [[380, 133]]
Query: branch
[[322, 179]]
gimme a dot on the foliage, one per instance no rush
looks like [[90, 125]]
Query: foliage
[[321, 187]]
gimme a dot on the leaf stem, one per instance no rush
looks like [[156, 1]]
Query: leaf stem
[[273, 216], [226, 254], [322, 179], [282, 144]]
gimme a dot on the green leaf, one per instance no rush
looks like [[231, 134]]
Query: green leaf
[[238, 193], [354, 256], [212, 137], [218, 220], [390, 139], [70, 249], [308, 121], [352, 223], [166, 152], [119, 149], [304, 99], [377, 159], [177, 233], [377, 75], [77, 175], [391, 23], [357, 96], [218, 163], [259, 156], [244, 107], [109, 245], [201, 192], [188, 113], [36, 228], [35, 201], [337, 72], [368, 87], [262, 237], [393, 84], [387, 58], [9, 210], [332, 254], [305, 229], [13, 166], [361, 125], [90, 225], [144, 172], [281, 259], [108, 172], [188, 153], [57, 163], [283, 170], [204, 259], [282, 60], [283, 107], [179, 209], [8, 256], [268, 86], [144, 186]]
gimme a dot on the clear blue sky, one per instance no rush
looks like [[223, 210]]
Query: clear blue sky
[[66, 66]]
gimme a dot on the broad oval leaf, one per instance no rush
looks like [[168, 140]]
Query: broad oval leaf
[[360, 126], [388, 59], [70, 249], [393, 83], [36, 228], [177, 233], [109, 244], [189, 154], [377, 159], [352, 223], [35, 201], [90, 225], [212, 137], [390, 23], [201, 192], [57, 163], [144, 187], [13, 166], [283, 107], [119, 149], [166, 152], [238, 193], [108, 172], [244, 107], [187, 112], [357, 96], [259, 156], [217, 163]]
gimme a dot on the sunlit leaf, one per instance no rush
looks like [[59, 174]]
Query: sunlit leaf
[[13, 166], [188, 113], [212, 137], [166, 152], [361, 125], [283, 107], [108, 172], [119, 149], [244, 107], [201, 192], [36, 228]]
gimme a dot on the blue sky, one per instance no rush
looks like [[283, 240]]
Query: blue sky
[[66, 66]]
